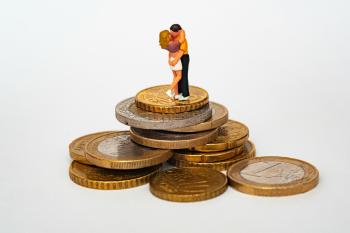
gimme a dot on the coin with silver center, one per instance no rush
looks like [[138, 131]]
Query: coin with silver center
[[77, 147], [273, 176], [117, 151]]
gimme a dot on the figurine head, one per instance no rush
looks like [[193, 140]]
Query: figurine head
[[175, 30], [164, 39], [173, 46]]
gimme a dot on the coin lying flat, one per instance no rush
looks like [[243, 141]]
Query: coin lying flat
[[117, 151], [128, 113], [206, 157], [171, 140], [273, 176], [101, 178], [77, 147], [248, 152], [155, 99], [232, 134], [188, 184], [219, 117]]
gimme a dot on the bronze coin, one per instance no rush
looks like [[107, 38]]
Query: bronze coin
[[171, 140], [77, 147], [154, 99], [248, 152], [101, 178], [188, 184], [219, 117], [128, 113], [117, 151], [206, 157], [232, 134], [273, 176]]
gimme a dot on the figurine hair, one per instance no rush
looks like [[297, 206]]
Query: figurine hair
[[175, 27], [173, 46], [164, 39]]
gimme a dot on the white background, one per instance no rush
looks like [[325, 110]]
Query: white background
[[281, 67]]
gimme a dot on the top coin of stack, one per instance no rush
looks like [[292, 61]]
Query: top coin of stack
[[154, 99]]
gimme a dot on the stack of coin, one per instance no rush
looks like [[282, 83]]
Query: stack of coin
[[198, 130], [157, 121], [197, 137], [229, 147], [110, 160]]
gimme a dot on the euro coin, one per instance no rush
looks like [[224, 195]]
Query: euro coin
[[101, 178], [77, 147], [218, 118], [206, 157], [117, 151], [128, 113], [155, 99], [273, 176], [248, 152], [188, 184], [232, 134], [171, 140]]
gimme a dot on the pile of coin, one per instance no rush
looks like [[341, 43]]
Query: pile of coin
[[197, 137]]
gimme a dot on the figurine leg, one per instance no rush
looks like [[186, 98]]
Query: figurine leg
[[176, 79], [183, 84]]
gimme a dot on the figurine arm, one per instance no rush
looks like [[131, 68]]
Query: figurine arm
[[177, 57], [169, 62]]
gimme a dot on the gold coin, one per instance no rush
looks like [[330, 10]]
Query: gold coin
[[206, 157], [232, 134], [77, 147], [273, 176], [171, 140], [102, 178], [117, 151], [248, 152], [219, 117], [155, 99], [188, 184]]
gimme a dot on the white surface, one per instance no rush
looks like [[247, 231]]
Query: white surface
[[281, 67]]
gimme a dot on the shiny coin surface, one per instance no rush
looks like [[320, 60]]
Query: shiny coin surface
[[128, 113], [117, 151], [188, 184], [155, 99], [219, 117], [171, 140], [102, 178], [206, 157], [248, 152], [273, 176], [232, 134], [77, 147]]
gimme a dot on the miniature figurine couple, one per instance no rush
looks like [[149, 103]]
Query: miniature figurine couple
[[175, 42]]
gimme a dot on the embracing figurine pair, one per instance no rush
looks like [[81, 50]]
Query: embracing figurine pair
[[175, 42]]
